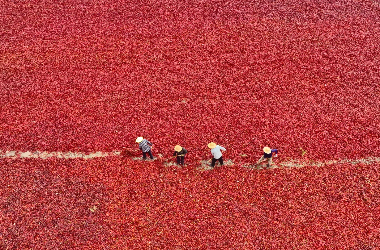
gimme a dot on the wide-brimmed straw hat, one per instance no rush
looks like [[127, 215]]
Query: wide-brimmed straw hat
[[267, 150], [139, 139], [178, 148], [211, 145]]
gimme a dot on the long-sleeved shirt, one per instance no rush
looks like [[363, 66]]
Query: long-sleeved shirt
[[216, 151], [180, 153], [145, 145], [271, 153]]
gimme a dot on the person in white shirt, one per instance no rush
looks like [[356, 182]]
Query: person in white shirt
[[216, 153]]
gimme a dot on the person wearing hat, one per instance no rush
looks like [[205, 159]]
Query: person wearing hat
[[268, 152], [145, 147], [216, 153], [180, 153]]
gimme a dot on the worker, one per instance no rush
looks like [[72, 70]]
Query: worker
[[216, 153], [180, 152], [145, 147]]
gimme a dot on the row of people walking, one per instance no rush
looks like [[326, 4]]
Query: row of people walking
[[179, 152]]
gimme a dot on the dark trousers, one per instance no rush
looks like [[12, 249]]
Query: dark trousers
[[150, 154], [214, 161], [180, 160]]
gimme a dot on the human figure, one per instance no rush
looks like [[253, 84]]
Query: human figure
[[216, 153], [145, 147], [180, 152], [268, 152]]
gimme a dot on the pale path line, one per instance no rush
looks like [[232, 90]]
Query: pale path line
[[64, 155], [82, 155], [368, 160]]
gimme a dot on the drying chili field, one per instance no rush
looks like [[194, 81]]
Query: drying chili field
[[92, 76]]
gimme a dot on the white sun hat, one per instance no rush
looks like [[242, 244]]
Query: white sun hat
[[211, 145], [139, 139], [178, 148], [267, 150]]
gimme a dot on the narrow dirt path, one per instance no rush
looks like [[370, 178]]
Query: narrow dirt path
[[203, 165]]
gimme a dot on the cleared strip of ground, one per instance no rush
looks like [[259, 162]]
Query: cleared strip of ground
[[46, 155], [82, 155]]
